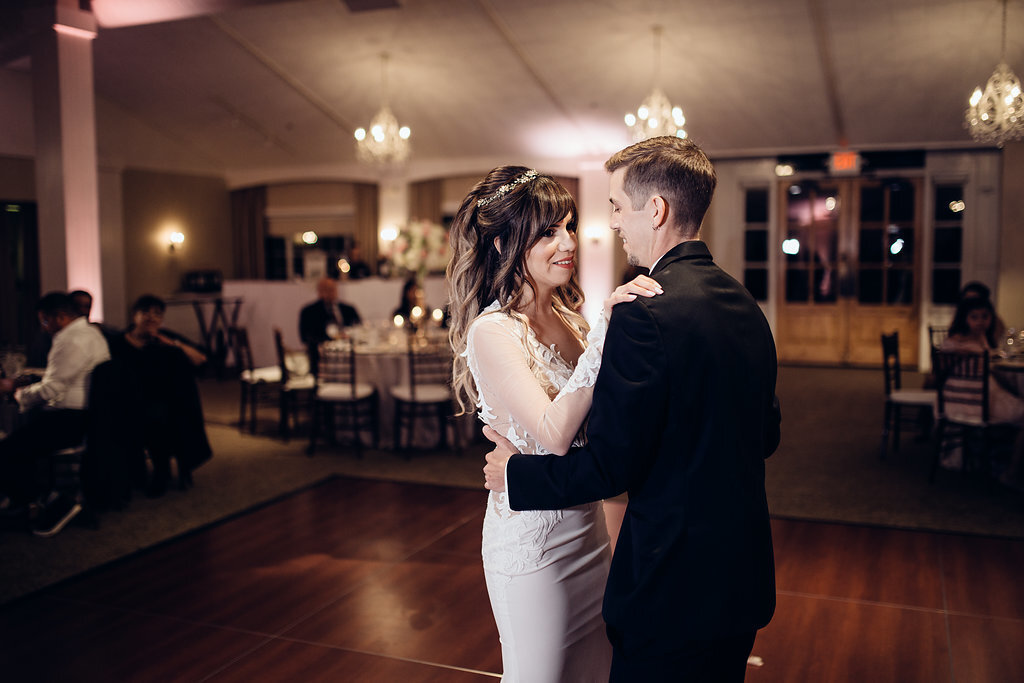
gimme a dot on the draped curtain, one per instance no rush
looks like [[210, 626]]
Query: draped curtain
[[425, 198], [367, 216], [249, 231]]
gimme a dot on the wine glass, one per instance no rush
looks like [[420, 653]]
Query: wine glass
[[12, 362]]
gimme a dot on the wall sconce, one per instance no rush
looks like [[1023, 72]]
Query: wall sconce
[[308, 238], [175, 239], [593, 233]]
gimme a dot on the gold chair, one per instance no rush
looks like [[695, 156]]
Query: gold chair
[[257, 384], [338, 387], [897, 398], [297, 384]]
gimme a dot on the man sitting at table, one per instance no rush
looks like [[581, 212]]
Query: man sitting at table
[[316, 318], [54, 407]]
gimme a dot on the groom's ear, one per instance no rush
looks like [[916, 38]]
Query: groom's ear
[[659, 210]]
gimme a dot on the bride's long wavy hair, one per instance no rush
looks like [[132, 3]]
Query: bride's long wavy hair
[[478, 274]]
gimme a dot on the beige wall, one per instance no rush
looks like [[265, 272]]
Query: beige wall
[[1010, 288], [156, 204]]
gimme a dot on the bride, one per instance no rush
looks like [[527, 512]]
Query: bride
[[525, 361]]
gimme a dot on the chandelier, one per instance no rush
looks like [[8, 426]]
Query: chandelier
[[997, 114], [386, 142], [656, 116]]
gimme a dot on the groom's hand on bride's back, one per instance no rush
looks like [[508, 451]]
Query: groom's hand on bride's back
[[494, 470]]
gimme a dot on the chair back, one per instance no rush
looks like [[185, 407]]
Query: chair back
[[239, 340], [962, 379], [338, 364], [430, 364], [937, 335], [292, 363], [891, 362]]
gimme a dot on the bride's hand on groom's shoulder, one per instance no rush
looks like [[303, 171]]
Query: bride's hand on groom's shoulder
[[641, 285], [494, 470]]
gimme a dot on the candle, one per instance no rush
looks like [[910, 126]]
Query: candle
[[399, 321]]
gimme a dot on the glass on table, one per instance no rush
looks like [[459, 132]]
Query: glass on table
[[12, 362], [1013, 343]]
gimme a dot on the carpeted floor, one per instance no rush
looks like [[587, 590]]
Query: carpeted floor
[[827, 468]]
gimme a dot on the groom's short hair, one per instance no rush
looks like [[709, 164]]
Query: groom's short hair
[[673, 168]]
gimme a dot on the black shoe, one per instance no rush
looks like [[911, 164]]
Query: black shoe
[[58, 511]]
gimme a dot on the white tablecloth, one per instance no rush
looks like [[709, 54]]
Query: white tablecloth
[[1010, 374], [269, 304]]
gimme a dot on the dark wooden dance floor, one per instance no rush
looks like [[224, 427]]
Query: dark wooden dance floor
[[359, 580]]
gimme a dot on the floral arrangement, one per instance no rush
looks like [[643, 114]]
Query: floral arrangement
[[421, 247]]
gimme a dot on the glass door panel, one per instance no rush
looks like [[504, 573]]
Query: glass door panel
[[849, 269]]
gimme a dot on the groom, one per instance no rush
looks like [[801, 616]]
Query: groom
[[684, 415]]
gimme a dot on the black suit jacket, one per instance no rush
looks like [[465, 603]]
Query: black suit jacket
[[684, 414], [313, 321], [314, 318]]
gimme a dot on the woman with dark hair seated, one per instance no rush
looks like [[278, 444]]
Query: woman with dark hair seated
[[163, 398], [974, 331]]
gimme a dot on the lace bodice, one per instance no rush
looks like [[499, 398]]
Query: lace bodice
[[526, 391], [529, 394]]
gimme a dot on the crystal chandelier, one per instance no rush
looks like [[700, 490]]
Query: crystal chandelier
[[656, 116], [997, 114], [386, 142]]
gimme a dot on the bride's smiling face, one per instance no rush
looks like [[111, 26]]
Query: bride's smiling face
[[550, 262]]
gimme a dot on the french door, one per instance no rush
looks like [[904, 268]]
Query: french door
[[850, 269]]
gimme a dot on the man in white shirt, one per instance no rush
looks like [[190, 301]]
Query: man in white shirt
[[54, 409]]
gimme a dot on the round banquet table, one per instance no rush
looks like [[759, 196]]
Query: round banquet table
[[1009, 372], [382, 360]]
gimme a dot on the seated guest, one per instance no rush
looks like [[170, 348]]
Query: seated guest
[[83, 302], [980, 290], [55, 410], [973, 331], [317, 319], [412, 296], [166, 416]]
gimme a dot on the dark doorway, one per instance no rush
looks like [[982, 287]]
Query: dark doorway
[[19, 273]]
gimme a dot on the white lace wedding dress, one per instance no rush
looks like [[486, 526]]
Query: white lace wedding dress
[[545, 569]]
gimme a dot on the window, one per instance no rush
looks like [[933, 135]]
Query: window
[[755, 243], [948, 250], [886, 242]]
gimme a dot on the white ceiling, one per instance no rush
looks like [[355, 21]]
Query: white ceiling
[[264, 83]]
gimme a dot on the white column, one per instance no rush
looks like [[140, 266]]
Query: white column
[[65, 131], [393, 211], [596, 241]]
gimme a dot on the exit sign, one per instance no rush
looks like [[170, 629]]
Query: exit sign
[[844, 163]]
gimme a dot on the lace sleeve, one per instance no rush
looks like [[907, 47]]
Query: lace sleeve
[[499, 362], [589, 364]]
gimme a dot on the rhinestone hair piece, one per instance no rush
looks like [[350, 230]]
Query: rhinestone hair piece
[[504, 189]]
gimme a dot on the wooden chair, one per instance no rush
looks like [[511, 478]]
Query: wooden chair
[[297, 384], [256, 384], [897, 398], [338, 387], [963, 408], [428, 394]]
